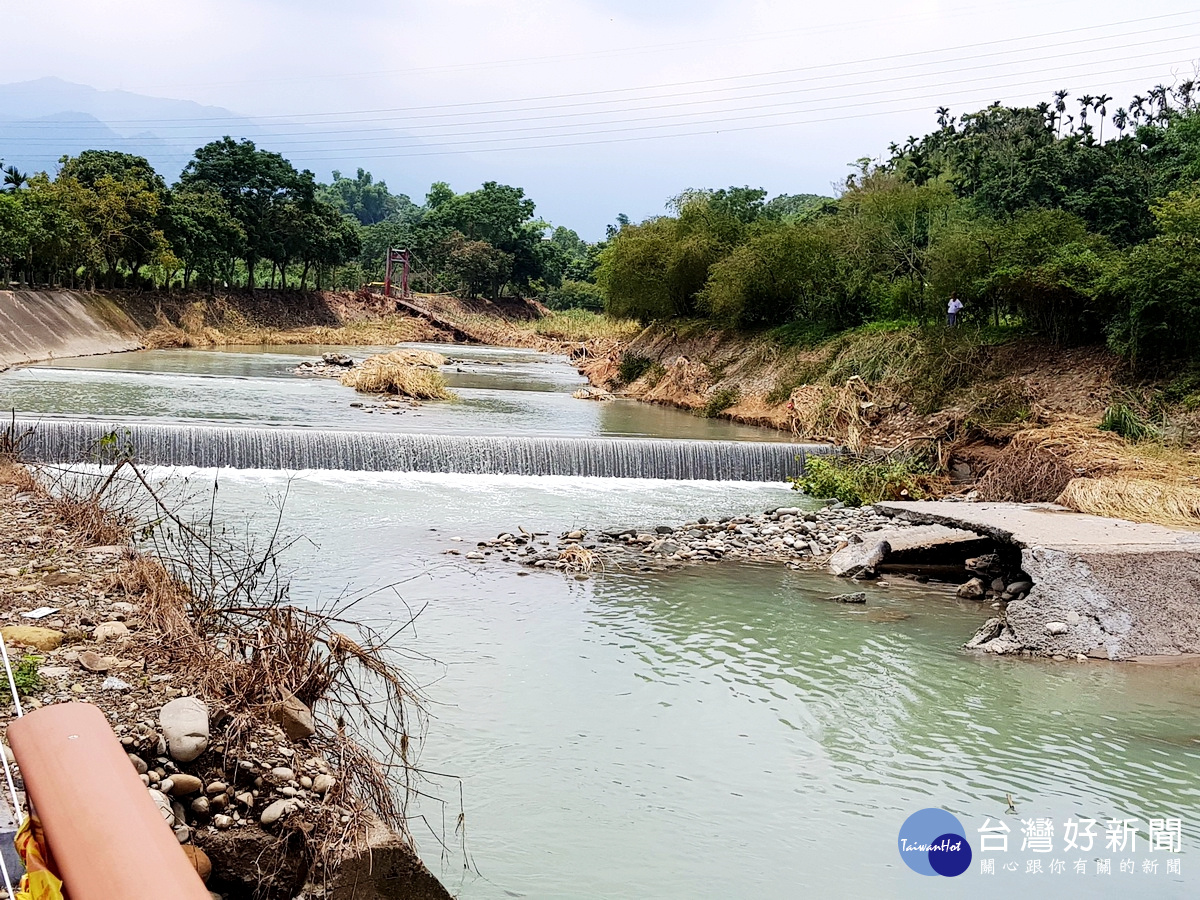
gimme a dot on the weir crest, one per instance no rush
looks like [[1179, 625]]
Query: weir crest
[[206, 446]]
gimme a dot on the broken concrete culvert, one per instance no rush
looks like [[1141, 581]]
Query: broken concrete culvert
[[1087, 585]]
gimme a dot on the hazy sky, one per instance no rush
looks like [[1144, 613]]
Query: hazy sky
[[596, 107]]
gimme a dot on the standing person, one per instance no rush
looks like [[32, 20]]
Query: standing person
[[952, 310]]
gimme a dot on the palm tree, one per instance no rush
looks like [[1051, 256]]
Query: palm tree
[[1121, 119], [14, 179], [943, 116], [1137, 108], [1085, 103], [1158, 96], [1184, 93], [1060, 107], [1101, 106]]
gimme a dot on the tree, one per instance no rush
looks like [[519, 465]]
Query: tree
[[783, 273], [203, 233], [256, 185], [14, 179], [366, 200], [118, 198], [1156, 288], [497, 214]]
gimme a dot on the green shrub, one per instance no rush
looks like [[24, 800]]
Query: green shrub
[[633, 366], [576, 295], [1126, 422], [655, 373], [25, 674], [856, 480], [721, 400]]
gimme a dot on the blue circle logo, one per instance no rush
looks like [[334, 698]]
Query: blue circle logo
[[933, 842]]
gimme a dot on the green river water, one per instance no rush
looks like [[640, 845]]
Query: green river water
[[714, 731]]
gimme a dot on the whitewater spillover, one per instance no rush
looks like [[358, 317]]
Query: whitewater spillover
[[717, 730], [73, 441]]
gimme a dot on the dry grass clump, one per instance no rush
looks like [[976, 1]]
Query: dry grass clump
[[394, 373], [683, 383], [1079, 466], [1137, 499], [426, 358], [201, 325], [578, 559], [841, 414]]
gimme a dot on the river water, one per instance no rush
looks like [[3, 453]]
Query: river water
[[716, 731]]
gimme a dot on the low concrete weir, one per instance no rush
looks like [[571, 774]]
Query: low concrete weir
[[37, 325], [77, 440]]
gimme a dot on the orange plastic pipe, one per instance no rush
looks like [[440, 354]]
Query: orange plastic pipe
[[106, 837]]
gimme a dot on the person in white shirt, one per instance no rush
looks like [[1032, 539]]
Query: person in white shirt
[[952, 310]]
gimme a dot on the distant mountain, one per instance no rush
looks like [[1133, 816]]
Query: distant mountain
[[42, 120]]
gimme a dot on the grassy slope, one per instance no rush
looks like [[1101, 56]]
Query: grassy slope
[[1010, 417]]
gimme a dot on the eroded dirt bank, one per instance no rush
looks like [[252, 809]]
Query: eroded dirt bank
[[260, 793]]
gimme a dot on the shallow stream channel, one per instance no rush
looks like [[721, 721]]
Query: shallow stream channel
[[715, 730]]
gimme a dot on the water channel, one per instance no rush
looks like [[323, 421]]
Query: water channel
[[715, 731]]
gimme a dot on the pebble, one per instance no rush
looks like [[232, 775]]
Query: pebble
[[276, 811], [184, 723], [182, 785], [323, 783], [109, 631], [112, 683]]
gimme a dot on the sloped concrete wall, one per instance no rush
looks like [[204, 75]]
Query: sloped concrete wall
[[37, 325]]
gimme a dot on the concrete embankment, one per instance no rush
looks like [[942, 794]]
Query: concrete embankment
[[37, 325], [1105, 588]]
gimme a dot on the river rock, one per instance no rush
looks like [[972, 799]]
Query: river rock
[[323, 783], [222, 821], [857, 597], [199, 860], [43, 639], [110, 631], [182, 784], [184, 723], [276, 811], [282, 774], [1055, 627], [138, 763], [972, 590], [1020, 587], [94, 662], [164, 806], [294, 716], [112, 683]]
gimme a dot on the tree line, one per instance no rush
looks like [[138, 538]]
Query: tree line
[[1035, 217], [241, 216]]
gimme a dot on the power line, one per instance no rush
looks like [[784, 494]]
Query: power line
[[723, 79], [977, 99], [708, 97], [302, 147]]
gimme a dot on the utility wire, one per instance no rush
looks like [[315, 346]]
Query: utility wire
[[941, 95], [710, 100], [724, 79]]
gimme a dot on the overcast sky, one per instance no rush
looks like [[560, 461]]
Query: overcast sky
[[598, 108]]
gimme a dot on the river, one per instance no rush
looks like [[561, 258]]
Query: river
[[713, 731]]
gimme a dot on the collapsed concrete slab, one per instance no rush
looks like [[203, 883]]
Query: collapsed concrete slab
[[888, 543], [1102, 587]]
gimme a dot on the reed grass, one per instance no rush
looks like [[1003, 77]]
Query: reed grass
[[396, 373]]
